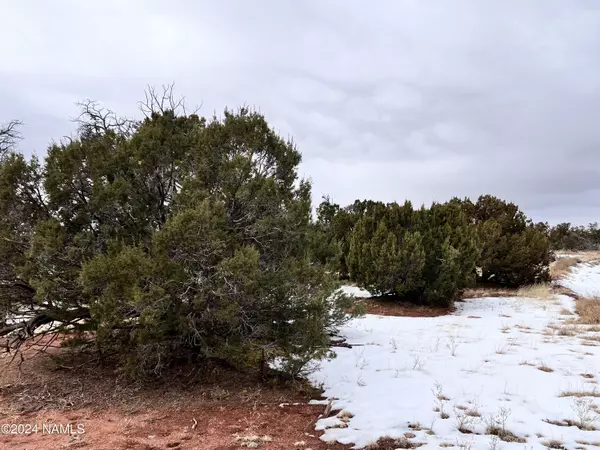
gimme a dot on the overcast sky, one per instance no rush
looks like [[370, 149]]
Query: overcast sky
[[388, 100]]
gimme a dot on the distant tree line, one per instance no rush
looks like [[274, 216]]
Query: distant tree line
[[565, 236], [432, 254]]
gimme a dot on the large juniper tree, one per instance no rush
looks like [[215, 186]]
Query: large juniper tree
[[174, 236]]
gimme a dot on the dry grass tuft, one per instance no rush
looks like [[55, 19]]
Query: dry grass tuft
[[483, 291], [562, 267], [588, 310], [505, 435], [541, 291], [594, 444], [570, 423], [545, 368], [554, 443], [593, 393], [388, 443]]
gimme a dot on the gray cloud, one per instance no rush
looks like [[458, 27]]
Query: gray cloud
[[386, 100]]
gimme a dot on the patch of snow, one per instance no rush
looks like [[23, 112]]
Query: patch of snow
[[584, 280], [355, 291], [485, 358]]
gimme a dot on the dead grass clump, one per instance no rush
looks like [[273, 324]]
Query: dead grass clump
[[388, 443], [554, 443], [545, 368], [562, 267], [588, 310], [594, 444], [587, 375], [541, 291], [504, 434], [566, 330]]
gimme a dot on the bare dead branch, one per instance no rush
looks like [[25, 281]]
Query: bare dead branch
[[160, 102], [95, 120], [9, 135]]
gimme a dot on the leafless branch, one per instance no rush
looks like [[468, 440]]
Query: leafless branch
[[9, 135], [160, 102], [96, 120]]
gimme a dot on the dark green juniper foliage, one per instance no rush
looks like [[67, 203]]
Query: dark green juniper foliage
[[173, 237], [428, 254], [514, 250]]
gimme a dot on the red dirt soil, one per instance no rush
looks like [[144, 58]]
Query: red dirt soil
[[204, 411], [403, 309], [152, 429]]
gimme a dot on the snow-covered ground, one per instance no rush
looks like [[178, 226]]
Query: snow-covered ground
[[497, 361], [584, 279]]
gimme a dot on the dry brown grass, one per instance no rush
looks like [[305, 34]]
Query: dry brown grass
[[588, 310], [482, 291], [570, 423], [593, 444], [579, 394], [545, 368], [554, 443], [504, 434], [560, 268], [542, 291], [584, 256]]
